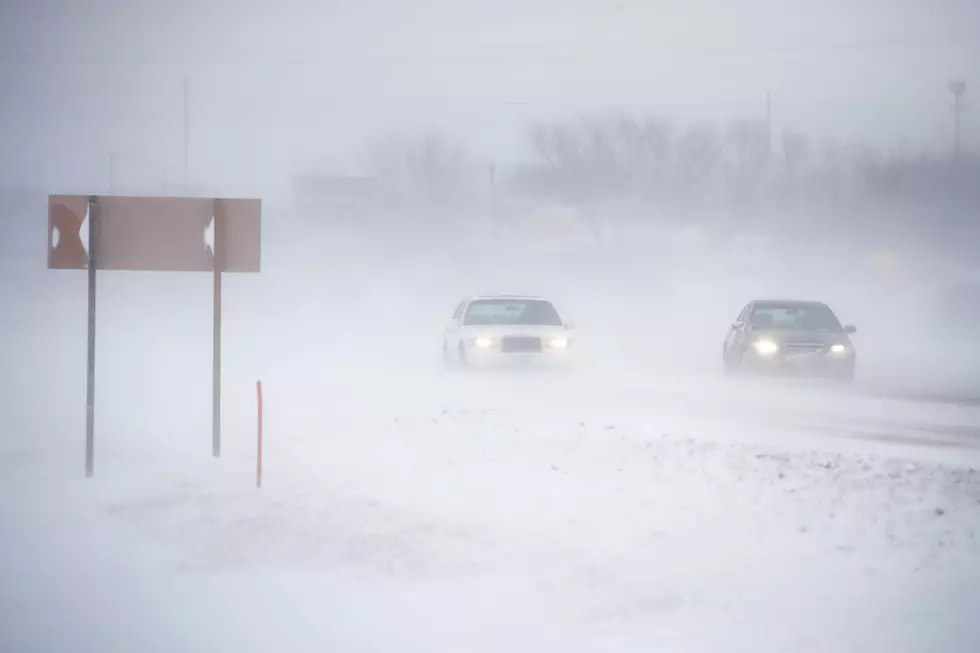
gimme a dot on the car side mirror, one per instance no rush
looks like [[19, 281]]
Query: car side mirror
[[737, 324], [850, 329], [569, 326]]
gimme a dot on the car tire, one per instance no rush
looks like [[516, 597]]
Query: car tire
[[447, 359], [461, 357]]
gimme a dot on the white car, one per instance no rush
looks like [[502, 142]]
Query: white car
[[507, 330]]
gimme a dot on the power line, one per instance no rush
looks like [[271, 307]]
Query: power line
[[286, 96], [177, 55]]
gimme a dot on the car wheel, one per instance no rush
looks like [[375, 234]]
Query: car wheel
[[461, 356]]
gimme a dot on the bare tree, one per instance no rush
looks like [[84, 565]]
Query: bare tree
[[796, 151], [645, 146], [425, 169], [747, 162], [602, 157], [697, 155], [748, 141], [829, 188], [563, 149]]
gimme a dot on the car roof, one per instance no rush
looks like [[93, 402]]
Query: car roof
[[476, 297], [786, 302]]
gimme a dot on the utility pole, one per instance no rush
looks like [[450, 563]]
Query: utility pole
[[768, 124], [958, 89], [187, 133], [493, 196]]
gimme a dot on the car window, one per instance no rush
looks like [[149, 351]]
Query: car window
[[484, 312], [459, 309], [744, 315], [795, 317]]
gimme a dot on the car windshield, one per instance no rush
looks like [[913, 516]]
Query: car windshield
[[483, 312], [795, 317]]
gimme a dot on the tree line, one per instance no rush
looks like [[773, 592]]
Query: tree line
[[739, 168]]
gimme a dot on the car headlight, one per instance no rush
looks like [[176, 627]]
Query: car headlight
[[484, 343], [838, 349], [561, 342], [765, 347]]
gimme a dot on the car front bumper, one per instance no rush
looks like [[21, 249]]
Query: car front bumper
[[494, 357], [819, 364]]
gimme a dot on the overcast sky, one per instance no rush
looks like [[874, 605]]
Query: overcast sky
[[93, 91]]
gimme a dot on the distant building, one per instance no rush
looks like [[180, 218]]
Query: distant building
[[340, 196]]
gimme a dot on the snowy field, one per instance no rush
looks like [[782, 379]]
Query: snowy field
[[406, 508]]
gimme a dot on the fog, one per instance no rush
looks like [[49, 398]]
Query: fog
[[650, 169]]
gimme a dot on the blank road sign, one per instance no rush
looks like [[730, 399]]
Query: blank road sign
[[172, 234], [153, 233]]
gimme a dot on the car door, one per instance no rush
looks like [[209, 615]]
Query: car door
[[453, 326], [737, 333]]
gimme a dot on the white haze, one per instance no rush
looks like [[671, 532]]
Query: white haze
[[274, 85], [643, 503]]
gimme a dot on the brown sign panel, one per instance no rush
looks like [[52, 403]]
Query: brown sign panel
[[239, 225], [66, 215], [173, 234], [153, 233]]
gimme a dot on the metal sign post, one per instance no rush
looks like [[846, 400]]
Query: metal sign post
[[217, 252], [92, 217]]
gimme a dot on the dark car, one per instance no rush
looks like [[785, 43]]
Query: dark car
[[796, 338]]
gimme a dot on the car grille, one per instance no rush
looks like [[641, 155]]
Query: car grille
[[803, 347], [520, 345]]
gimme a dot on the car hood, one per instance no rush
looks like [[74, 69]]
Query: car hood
[[823, 337]]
